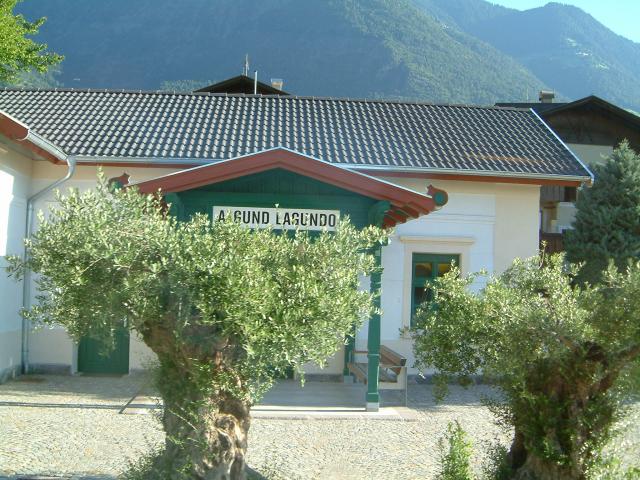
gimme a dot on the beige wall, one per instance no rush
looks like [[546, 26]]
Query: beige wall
[[515, 213], [140, 356], [334, 365], [49, 346], [85, 176], [10, 352], [15, 185], [517, 224]]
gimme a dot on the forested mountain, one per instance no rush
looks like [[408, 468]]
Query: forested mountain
[[352, 48], [562, 45], [435, 50]]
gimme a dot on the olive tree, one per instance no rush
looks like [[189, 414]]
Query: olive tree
[[18, 52], [561, 354], [224, 308]]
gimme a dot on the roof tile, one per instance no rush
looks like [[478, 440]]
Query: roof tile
[[355, 132]]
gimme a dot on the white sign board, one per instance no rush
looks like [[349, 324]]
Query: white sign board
[[279, 218]]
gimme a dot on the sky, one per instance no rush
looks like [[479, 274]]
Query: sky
[[621, 16]]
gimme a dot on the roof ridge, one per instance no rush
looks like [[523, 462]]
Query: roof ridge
[[260, 95]]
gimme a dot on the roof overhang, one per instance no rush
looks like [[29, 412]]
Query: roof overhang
[[405, 204], [373, 170], [476, 176], [598, 103], [18, 132]]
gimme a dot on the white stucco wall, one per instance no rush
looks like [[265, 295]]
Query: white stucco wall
[[487, 224], [15, 183]]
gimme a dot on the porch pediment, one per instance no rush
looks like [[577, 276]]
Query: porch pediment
[[403, 204]]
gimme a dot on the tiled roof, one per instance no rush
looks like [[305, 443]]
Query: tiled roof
[[374, 134]]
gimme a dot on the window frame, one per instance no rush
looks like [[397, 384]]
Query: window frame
[[462, 245], [434, 259]]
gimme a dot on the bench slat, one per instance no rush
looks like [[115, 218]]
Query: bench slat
[[361, 372], [392, 360]]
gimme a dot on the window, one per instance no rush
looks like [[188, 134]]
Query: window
[[426, 267]]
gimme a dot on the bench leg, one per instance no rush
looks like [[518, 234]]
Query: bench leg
[[406, 387]]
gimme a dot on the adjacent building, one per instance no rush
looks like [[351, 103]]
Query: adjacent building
[[591, 127]]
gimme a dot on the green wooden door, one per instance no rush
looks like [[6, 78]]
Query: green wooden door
[[93, 359]]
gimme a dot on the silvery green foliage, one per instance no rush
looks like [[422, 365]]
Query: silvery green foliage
[[562, 355], [18, 52], [267, 301]]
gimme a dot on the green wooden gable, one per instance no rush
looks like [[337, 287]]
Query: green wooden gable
[[277, 187]]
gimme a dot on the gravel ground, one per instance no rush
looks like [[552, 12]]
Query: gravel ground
[[71, 426]]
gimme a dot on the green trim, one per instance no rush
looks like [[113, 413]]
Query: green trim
[[440, 198], [426, 280], [373, 340], [277, 187], [377, 212]]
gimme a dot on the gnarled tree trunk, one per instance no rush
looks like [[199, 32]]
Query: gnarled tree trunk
[[536, 468], [206, 426], [207, 438], [573, 412]]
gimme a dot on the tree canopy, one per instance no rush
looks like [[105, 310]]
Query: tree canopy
[[562, 355], [18, 53], [225, 308], [607, 224]]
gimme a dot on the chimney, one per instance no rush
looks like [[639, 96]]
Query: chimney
[[546, 96], [277, 83]]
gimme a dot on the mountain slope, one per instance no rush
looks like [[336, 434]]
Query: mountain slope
[[373, 48], [462, 13], [562, 45]]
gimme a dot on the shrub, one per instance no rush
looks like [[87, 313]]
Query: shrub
[[455, 451]]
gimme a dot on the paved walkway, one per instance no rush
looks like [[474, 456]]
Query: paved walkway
[[316, 400], [72, 426]]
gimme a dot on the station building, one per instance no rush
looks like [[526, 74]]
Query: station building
[[458, 183]]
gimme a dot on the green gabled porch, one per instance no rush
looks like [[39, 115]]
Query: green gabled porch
[[259, 187]]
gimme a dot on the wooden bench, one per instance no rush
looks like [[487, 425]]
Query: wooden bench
[[392, 374]]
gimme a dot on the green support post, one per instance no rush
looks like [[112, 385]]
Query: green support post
[[376, 217], [373, 340]]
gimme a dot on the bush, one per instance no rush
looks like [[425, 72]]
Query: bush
[[496, 466], [455, 450]]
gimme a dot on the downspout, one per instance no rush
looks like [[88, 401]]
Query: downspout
[[26, 281]]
